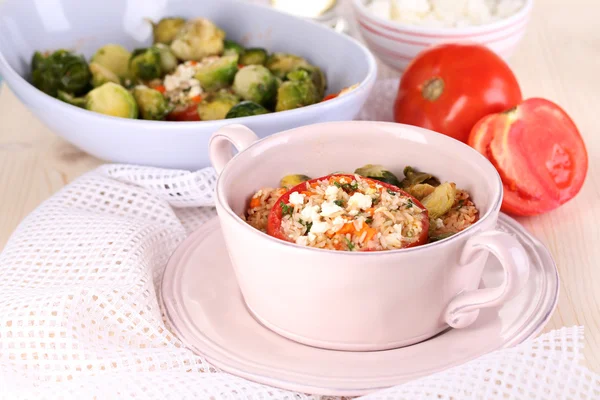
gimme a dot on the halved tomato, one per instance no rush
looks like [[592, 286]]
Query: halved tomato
[[276, 214], [539, 153], [184, 113]]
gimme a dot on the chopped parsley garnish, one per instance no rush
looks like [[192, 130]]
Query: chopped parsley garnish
[[369, 220], [339, 203], [409, 204], [286, 209], [349, 244], [337, 184], [460, 203], [349, 187], [308, 226], [375, 201], [391, 192]]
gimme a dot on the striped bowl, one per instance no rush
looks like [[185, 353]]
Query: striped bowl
[[396, 44]]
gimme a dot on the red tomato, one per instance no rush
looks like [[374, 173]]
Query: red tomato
[[184, 113], [539, 153], [450, 87], [276, 214], [330, 96]]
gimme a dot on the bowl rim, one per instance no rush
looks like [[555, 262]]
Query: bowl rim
[[493, 210], [11, 76], [445, 32]]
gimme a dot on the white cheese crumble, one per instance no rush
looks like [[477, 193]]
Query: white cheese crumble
[[329, 208], [319, 227], [302, 240], [180, 86], [331, 192], [338, 221], [311, 213], [359, 200], [445, 13], [297, 198]]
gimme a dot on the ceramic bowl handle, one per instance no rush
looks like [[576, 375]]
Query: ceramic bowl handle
[[220, 144], [463, 309]]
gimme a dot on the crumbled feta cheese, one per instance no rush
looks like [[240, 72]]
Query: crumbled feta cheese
[[297, 198], [329, 208], [319, 227], [311, 237], [439, 223], [353, 213], [302, 241], [338, 221], [311, 213], [359, 200], [331, 192], [394, 239]]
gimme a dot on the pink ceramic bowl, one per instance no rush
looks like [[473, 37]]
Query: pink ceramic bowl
[[369, 300], [396, 43]]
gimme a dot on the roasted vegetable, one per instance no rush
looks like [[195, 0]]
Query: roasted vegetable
[[379, 173], [440, 201], [298, 91], [230, 47], [198, 38], [61, 70], [255, 83], [218, 73], [412, 177], [280, 64], [68, 98], [101, 75], [151, 103], [168, 61], [165, 30], [246, 109], [113, 57], [254, 56], [145, 64], [112, 99], [318, 78], [217, 105], [289, 181], [420, 190]]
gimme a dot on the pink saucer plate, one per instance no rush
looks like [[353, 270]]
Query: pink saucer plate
[[205, 309]]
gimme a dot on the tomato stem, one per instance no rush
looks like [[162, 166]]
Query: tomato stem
[[433, 89]]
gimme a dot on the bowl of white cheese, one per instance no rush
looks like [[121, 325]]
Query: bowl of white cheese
[[397, 30]]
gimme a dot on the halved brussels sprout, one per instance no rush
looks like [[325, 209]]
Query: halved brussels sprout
[[280, 64], [218, 73], [378, 172], [298, 91], [412, 177], [168, 61], [198, 38], [217, 105], [101, 75], [60, 70], [440, 201], [165, 30], [230, 47], [151, 103], [246, 109], [318, 78], [145, 64], [68, 98], [112, 99], [254, 56], [255, 83], [113, 57], [289, 181], [420, 190]]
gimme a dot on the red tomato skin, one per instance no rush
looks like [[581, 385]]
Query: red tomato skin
[[476, 82], [276, 213], [189, 113], [531, 187]]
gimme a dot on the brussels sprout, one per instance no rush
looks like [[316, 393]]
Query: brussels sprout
[[68, 98], [298, 91], [197, 39], [255, 83], [217, 105], [420, 190], [230, 47], [412, 177], [113, 57], [101, 75], [218, 73], [254, 56], [60, 70], [112, 99], [440, 201], [379, 173], [166, 29], [246, 109], [289, 181], [151, 103], [318, 78], [280, 64], [145, 64], [168, 61], [441, 236]]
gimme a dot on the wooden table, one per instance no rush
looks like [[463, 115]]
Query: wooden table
[[559, 59]]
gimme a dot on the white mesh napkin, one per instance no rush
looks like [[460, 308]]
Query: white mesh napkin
[[79, 316]]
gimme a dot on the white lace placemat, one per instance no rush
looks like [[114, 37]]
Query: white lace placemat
[[79, 316]]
